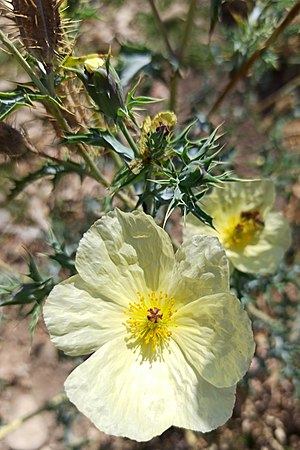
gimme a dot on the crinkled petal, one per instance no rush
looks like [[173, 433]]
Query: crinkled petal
[[265, 255], [123, 395], [78, 320], [200, 405], [201, 269], [126, 396], [215, 335], [123, 253]]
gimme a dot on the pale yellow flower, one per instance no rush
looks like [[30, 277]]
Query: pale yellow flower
[[170, 341], [254, 237]]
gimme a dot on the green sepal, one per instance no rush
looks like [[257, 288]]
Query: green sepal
[[104, 87]]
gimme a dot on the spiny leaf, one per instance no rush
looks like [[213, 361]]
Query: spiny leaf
[[140, 101], [183, 135], [56, 170], [134, 59], [23, 96], [125, 176], [34, 273], [30, 293], [198, 212], [103, 139], [61, 255], [10, 101], [25, 293]]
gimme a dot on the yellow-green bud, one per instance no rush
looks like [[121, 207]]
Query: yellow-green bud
[[104, 86]]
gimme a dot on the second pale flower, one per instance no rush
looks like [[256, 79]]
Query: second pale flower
[[255, 237]]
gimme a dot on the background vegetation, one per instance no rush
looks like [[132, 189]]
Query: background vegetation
[[234, 63]]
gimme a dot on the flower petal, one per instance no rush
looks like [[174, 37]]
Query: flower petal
[[201, 269], [126, 396], [230, 200], [234, 198], [215, 335], [200, 405], [121, 394], [264, 257], [123, 253], [78, 321]]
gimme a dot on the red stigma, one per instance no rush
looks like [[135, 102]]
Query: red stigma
[[154, 315]]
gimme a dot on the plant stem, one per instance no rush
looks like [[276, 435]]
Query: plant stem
[[22, 61], [285, 90], [172, 56], [246, 65], [162, 28], [57, 114], [97, 175], [128, 137], [187, 30], [183, 46], [176, 61]]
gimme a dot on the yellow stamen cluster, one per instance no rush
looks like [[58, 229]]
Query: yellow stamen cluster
[[243, 229], [151, 317]]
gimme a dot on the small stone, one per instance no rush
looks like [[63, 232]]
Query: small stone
[[280, 435], [33, 433]]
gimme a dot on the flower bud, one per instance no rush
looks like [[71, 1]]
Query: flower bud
[[156, 134], [12, 143], [104, 86]]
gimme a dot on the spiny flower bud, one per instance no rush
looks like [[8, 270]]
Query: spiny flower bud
[[40, 29], [12, 143], [104, 86], [155, 134]]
